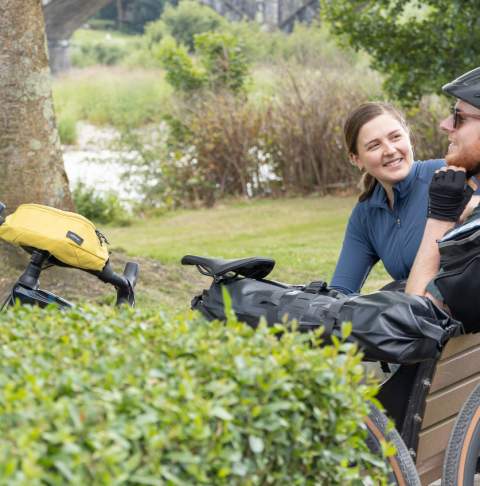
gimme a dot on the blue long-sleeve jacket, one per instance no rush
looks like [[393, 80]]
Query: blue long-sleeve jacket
[[376, 232]]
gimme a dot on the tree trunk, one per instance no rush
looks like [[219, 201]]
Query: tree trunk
[[31, 162]]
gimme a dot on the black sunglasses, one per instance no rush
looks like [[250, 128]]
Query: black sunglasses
[[459, 116]]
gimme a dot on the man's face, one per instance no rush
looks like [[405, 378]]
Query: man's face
[[464, 148]]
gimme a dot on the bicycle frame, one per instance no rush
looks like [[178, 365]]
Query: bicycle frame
[[26, 290], [42, 298]]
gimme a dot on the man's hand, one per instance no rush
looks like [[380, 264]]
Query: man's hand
[[449, 193]]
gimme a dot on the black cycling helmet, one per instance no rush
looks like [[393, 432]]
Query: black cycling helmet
[[466, 87]]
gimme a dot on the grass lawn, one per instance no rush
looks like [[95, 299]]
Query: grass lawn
[[303, 235]]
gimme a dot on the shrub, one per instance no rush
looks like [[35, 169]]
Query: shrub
[[291, 143], [163, 178], [223, 59], [183, 22], [207, 154], [99, 396], [67, 127], [182, 73], [424, 121], [219, 63], [90, 47], [105, 208], [305, 130], [98, 53], [307, 46]]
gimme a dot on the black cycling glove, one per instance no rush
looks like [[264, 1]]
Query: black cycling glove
[[448, 194]]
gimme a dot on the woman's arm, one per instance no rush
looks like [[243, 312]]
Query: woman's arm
[[356, 258]]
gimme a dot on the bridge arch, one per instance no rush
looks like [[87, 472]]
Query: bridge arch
[[62, 19]]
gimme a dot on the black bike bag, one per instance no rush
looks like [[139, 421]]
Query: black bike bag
[[459, 278], [387, 325]]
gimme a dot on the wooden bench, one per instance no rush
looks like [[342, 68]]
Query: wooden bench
[[456, 374]]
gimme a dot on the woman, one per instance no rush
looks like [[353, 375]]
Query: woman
[[388, 221]]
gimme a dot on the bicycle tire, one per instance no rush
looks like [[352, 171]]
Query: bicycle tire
[[403, 470], [463, 449]]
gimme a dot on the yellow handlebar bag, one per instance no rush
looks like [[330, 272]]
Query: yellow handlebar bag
[[69, 237]]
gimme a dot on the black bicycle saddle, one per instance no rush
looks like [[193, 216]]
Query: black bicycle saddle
[[253, 267]]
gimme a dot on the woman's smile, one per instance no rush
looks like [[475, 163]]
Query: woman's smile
[[393, 163]]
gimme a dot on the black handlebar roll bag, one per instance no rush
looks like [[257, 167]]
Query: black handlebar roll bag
[[387, 325]]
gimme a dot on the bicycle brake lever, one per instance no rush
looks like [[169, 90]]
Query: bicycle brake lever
[[2, 209]]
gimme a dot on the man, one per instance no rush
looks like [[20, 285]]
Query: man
[[452, 187]]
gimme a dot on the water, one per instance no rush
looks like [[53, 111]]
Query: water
[[94, 164]]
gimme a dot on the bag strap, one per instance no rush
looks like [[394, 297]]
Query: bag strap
[[335, 308]]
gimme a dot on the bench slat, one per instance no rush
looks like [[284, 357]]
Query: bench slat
[[460, 343], [456, 368], [434, 440], [447, 402]]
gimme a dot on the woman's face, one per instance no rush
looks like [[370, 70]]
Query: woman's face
[[384, 150]]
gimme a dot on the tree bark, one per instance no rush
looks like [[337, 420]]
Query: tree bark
[[31, 161]]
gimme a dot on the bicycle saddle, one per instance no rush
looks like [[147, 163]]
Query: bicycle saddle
[[253, 267]]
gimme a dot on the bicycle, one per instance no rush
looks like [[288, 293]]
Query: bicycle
[[463, 451], [378, 431], [27, 291]]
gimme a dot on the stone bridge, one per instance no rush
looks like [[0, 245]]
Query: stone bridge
[[63, 17]]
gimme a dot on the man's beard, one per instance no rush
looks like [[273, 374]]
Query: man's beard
[[467, 157]]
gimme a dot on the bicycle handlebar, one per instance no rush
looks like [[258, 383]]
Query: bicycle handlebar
[[2, 209], [125, 284]]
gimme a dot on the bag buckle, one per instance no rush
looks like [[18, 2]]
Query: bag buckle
[[316, 287], [101, 237]]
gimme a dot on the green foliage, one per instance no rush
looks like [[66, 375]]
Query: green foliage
[[90, 54], [223, 59], [307, 46], [424, 119], [219, 63], [223, 145], [90, 47], [183, 22], [100, 208], [136, 13], [182, 73], [100, 396], [114, 96], [67, 127], [441, 38]]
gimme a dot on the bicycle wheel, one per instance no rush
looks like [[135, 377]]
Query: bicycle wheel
[[463, 448], [403, 471]]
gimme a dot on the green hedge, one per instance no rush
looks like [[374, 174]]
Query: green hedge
[[97, 396]]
